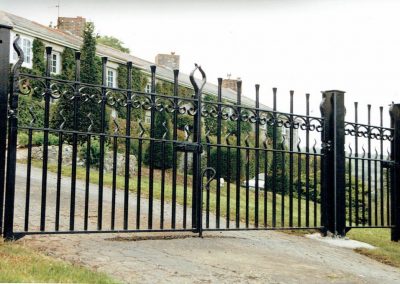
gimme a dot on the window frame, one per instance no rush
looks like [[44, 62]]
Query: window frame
[[114, 78]]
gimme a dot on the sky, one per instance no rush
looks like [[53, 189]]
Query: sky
[[303, 45]]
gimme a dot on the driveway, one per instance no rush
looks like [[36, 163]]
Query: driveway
[[244, 257]]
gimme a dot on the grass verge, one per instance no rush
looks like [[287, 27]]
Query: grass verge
[[21, 264], [386, 251]]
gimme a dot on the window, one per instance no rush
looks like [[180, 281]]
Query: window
[[111, 78], [147, 117], [26, 46], [55, 63], [148, 88]]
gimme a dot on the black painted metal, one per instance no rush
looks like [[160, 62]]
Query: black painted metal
[[395, 169], [334, 139], [284, 182], [4, 81]]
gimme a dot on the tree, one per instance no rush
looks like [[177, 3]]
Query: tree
[[113, 42], [38, 60], [90, 74], [160, 156], [211, 123], [64, 103]]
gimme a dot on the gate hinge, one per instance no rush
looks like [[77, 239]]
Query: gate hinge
[[189, 147]]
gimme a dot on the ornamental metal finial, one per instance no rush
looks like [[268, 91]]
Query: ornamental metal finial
[[196, 88]]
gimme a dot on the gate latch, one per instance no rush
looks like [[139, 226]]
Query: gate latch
[[189, 147]]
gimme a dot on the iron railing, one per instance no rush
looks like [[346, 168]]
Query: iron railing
[[240, 167]]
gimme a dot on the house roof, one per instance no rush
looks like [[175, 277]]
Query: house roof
[[19, 24]]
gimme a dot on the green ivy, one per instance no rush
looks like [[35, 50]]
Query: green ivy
[[38, 60]]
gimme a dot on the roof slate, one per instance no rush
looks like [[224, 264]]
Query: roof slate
[[51, 34]]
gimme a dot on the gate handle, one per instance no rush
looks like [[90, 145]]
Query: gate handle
[[209, 180]]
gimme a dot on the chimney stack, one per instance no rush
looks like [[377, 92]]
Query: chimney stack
[[170, 61], [75, 26], [230, 83]]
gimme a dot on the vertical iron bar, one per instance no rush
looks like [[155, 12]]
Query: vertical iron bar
[[307, 161], [315, 185], [299, 185], [376, 188], [45, 139], [257, 155], [197, 177], [381, 176], [350, 174], [238, 157], [266, 176], [291, 144], [283, 183], [356, 162], [151, 166], [28, 181], [127, 142], [59, 174], [395, 172], [218, 169], [114, 179], [185, 184], [5, 37], [102, 142], [208, 151], [274, 158], [139, 181], [87, 178], [77, 97], [174, 153], [369, 168], [162, 186], [363, 186], [247, 181], [228, 183]]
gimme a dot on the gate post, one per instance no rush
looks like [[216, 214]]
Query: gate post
[[333, 172], [395, 181], [12, 145], [5, 36]]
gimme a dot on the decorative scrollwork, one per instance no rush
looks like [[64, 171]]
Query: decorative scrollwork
[[368, 131], [164, 124], [64, 119], [89, 116], [298, 144], [142, 129], [187, 132]]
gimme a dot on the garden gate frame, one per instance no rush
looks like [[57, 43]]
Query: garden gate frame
[[331, 163]]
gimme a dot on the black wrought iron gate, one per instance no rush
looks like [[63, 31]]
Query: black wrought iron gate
[[85, 157]]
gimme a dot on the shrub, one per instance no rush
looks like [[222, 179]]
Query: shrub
[[94, 152], [184, 120], [23, 139], [160, 157], [225, 166]]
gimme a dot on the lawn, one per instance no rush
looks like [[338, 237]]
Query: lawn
[[387, 251], [21, 264], [282, 204]]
